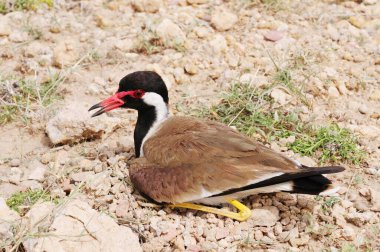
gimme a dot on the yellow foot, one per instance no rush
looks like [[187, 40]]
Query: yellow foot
[[243, 214]]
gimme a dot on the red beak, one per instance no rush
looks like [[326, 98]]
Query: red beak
[[110, 103]]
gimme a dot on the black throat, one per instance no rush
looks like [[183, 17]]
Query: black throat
[[145, 120]]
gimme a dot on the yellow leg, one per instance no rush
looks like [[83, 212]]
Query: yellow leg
[[243, 214]]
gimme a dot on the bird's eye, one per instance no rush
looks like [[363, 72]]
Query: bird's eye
[[138, 93]]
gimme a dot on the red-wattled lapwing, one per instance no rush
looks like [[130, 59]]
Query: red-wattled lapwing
[[185, 160]]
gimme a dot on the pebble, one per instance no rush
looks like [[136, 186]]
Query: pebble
[[15, 162], [266, 216], [149, 6], [18, 36], [170, 32], [219, 44], [122, 208], [65, 53], [5, 28], [333, 92], [37, 170], [363, 109], [223, 20], [273, 36]]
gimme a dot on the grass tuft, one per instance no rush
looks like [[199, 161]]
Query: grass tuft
[[21, 202], [19, 5], [21, 97], [251, 111]]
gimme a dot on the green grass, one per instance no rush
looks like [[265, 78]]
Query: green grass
[[250, 110], [21, 97], [18, 5], [21, 202]]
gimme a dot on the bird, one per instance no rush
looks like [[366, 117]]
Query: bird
[[199, 164]]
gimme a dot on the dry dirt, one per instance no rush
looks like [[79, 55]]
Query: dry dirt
[[332, 49]]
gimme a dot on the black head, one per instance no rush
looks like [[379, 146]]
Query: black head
[[132, 89]]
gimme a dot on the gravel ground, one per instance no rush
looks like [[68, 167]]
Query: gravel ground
[[200, 47]]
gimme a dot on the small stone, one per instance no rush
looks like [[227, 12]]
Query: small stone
[[333, 92], [280, 96], [18, 36], [375, 95], [273, 36], [122, 208], [221, 233], [5, 28], [363, 109], [223, 20], [7, 218], [197, 1], [149, 6], [258, 235], [15, 176], [375, 201], [86, 165], [81, 176], [348, 233], [170, 32], [15, 162], [266, 216], [31, 185], [201, 32], [219, 44], [357, 21], [65, 54], [191, 69], [37, 169], [308, 161]]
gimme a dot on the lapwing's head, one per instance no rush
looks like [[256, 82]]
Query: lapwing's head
[[139, 90]]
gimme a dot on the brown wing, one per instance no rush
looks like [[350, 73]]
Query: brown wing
[[189, 159]]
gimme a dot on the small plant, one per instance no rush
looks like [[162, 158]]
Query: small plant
[[329, 202], [22, 201], [21, 97], [250, 110], [18, 5]]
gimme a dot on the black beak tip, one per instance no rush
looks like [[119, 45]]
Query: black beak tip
[[95, 106], [97, 113]]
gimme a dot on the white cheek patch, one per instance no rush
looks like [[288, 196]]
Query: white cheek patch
[[162, 112]]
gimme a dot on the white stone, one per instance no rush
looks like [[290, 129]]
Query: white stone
[[333, 92], [38, 170], [18, 36], [197, 1], [266, 216], [219, 44], [150, 6], [5, 28], [8, 217], [65, 54], [74, 123], [223, 20], [86, 230], [280, 96], [170, 32]]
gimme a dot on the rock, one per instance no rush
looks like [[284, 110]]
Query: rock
[[36, 48], [191, 68], [223, 20], [86, 165], [18, 36], [258, 235], [125, 143], [104, 19], [273, 36], [280, 96], [15, 162], [31, 185], [357, 21], [5, 27], [122, 208], [81, 176], [308, 161], [219, 44], [375, 95], [93, 231], [201, 32], [37, 169], [150, 6], [221, 233], [266, 216], [73, 124], [65, 54], [170, 32], [100, 183], [8, 218], [39, 215], [348, 233], [333, 92], [197, 1], [15, 175], [375, 200], [363, 109], [359, 219]]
